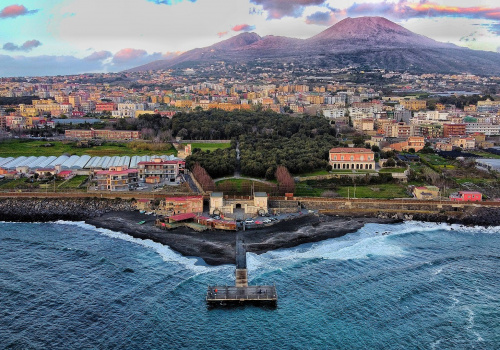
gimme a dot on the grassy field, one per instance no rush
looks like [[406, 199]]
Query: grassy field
[[486, 154], [73, 183], [243, 187], [210, 146], [302, 189], [17, 148], [386, 191]]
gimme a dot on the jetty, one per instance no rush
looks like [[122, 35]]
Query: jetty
[[241, 293]]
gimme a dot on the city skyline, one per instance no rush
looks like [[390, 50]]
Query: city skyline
[[77, 36]]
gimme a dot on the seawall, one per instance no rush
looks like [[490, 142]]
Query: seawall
[[51, 209]]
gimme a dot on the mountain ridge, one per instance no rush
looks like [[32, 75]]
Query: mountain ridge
[[374, 42]]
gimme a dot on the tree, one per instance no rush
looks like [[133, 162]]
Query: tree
[[390, 163], [286, 183]]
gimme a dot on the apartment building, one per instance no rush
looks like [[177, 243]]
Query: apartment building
[[164, 170], [116, 179]]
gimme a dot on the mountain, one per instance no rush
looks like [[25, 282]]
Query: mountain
[[369, 42]]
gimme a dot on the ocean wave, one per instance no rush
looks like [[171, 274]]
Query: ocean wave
[[165, 252]]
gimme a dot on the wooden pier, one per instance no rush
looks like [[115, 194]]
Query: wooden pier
[[241, 292]]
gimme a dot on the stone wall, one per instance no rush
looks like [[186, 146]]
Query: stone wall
[[51, 209]]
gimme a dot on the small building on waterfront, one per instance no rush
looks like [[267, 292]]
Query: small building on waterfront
[[467, 196], [426, 192], [181, 205], [248, 205]]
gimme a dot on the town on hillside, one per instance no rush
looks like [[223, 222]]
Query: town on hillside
[[278, 129]]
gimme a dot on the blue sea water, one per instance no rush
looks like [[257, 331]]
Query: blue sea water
[[412, 285]]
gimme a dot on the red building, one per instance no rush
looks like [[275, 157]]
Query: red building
[[352, 158], [467, 196], [182, 205], [105, 107], [451, 130]]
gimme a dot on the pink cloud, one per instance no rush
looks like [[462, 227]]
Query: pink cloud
[[128, 54], [406, 10], [13, 11], [243, 28], [170, 54], [221, 34]]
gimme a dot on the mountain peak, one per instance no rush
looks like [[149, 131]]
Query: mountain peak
[[362, 27]]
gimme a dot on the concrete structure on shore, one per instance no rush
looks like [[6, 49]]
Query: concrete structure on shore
[[229, 206]]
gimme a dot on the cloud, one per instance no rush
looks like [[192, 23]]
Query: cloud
[[277, 9], [169, 55], [128, 54], [15, 66], [129, 58], [45, 65], [405, 10], [321, 18], [221, 34], [168, 2], [98, 56], [13, 11], [243, 28], [27, 46]]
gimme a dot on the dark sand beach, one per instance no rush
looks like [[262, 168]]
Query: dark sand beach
[[218, 247]]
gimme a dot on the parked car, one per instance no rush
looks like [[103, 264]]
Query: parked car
[[249, 221], [266, 221]]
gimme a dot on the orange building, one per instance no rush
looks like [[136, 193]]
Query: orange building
[[450, 130], [182, 205], [352, 158]]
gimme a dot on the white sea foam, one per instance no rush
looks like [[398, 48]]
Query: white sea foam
[[366, 242], [165, 252]]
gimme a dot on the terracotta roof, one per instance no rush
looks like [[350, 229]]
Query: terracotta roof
[[351, 150], [182, 217]]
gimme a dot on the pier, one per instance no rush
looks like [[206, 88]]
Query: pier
[[241, 292]]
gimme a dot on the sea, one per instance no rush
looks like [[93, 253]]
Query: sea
[[412, 285]]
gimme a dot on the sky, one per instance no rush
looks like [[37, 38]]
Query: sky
[[59, 37]]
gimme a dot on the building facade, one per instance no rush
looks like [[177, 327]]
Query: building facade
[[165, 170], [116, 179], [352, 158]]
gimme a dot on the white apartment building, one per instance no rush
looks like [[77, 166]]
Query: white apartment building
[[127, 110], [334, 113], [487, 129]]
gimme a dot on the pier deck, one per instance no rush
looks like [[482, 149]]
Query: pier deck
[[231, 294]]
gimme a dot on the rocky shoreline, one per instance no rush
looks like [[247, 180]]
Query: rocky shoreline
[[215, 247]]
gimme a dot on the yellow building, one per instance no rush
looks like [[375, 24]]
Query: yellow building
[[183, 103], [414, 105], [426, 192]]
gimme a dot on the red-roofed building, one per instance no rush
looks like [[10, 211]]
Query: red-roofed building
[[164, 169], [65, 174], [182, 205], [116, 179], [352, 158], [467, 196], [181, 217]]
